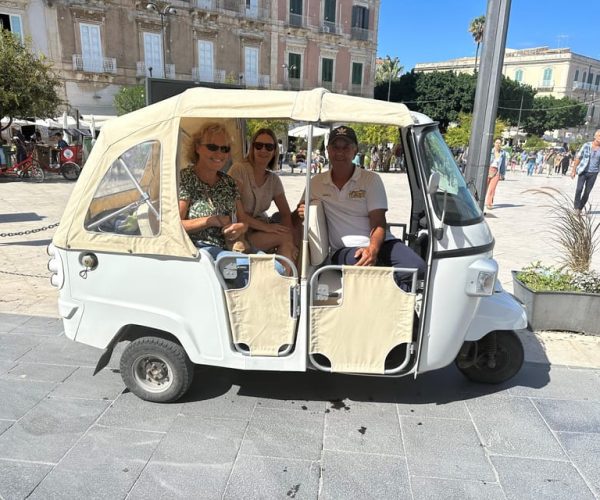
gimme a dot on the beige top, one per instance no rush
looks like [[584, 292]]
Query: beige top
[[256, 199]]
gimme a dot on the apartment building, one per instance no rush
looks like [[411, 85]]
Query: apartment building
[[557, 72], [99, 46]]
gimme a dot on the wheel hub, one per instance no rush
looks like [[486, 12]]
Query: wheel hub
[[152, 373]]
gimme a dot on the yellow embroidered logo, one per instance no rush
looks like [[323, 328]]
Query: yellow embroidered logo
[[357, 194]]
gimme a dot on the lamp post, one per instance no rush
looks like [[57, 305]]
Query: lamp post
[[288, 69], [163, 11]]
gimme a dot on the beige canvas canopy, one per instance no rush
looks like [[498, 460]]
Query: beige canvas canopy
[[170, 123]]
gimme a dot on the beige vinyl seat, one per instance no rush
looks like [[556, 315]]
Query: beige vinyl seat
[[262, 315]]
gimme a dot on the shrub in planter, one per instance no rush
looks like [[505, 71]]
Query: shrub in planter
[[565, 297]]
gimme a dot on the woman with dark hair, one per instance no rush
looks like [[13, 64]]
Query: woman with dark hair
[[259, 186]]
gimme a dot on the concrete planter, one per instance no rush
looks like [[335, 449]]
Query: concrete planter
[[564, 311]]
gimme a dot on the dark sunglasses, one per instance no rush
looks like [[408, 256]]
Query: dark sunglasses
[[267, 145], [215, 147]]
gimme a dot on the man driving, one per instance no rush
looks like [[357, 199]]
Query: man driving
[[355, 203]]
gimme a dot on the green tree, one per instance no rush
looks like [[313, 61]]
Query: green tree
[[387, 71], [28, 86], [549, 113], [402, 89], [459, 136], [129, 99], [375, 134], [534, 143], [476, 29], [513, 99], [280, 127]]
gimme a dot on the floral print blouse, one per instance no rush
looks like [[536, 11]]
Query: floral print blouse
[[208, 200]]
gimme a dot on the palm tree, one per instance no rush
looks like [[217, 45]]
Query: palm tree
[[389, 69], [476, 29]]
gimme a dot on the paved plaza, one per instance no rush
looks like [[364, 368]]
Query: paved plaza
[[66, 434]]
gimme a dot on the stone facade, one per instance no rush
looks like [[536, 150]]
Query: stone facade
[[556, 72], [99, 46]]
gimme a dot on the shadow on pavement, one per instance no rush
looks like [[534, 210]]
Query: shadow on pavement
[[23, 217], [439, 387], [34, 243]]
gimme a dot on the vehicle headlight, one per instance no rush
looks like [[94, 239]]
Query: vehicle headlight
[[481, 277]]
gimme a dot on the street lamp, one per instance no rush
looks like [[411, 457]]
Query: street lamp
[[166, 10], [288, 69]]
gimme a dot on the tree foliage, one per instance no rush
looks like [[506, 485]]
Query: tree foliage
[[476, 28], [389, 70], [375, 134], [28, 86], [280, 127], [459, 136], [550, 113], [129, 99]]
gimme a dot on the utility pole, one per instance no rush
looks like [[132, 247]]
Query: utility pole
[[520, 111], [486, 97]]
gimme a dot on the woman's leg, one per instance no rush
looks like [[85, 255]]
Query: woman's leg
[[491, 190], [282, 243]]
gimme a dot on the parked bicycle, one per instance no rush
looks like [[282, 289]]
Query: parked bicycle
[[28, 169]]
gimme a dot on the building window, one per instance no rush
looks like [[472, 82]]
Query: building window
[[12, 23], [329, 11], [584, 76], [251, 66], [590, 78], [519, 75], [296, 7], [360, 17], [153, 58], [294, 66], [91, 48], [357, 73], [205, 61], [597, 80], [327, 70], [252, 8], [547, 79], [576, 75]]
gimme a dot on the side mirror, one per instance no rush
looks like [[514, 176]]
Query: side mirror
[[434, 183]]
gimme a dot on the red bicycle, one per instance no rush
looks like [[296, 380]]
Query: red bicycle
[[28, 169]]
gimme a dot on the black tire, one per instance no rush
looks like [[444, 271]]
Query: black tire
[[509, 359], [156, 370], [70, 171], [33, 172]]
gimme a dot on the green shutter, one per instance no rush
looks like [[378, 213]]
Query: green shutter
[[327, 70], [357, 73], [296, 7], [294, 65], [330, 11]]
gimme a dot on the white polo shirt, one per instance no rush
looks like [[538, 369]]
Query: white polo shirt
[[347, 210]]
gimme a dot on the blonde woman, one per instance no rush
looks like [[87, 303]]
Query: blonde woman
[[209, 200]]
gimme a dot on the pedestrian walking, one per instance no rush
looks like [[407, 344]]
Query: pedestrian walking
[[586, 166], [498, 160]]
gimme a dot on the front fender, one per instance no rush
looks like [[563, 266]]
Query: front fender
[[499, 311]]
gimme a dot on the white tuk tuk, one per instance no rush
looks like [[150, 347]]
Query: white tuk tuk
[[128, 272]]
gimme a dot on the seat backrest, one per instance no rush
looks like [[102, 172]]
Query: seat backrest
[[318, 240]]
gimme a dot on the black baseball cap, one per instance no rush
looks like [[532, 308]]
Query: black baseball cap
[[345, 133]]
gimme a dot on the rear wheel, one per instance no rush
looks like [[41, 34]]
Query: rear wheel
[[70, 171], [33, 172], [494, 359], [156, 369]]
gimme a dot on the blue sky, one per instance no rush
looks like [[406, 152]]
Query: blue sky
[[436, 30]]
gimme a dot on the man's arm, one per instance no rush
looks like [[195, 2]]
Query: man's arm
[[367, 256]]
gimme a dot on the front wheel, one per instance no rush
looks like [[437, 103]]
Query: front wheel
[[156, 369], [70, 171], [33, 172], [494, 359]]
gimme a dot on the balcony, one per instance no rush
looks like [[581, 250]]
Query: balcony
[[585, 86], [231, 7], [546, 85], [332, 86], [207, 75], [296, 20], [257, 13], [328, 27], [94, 65], [355, 89], [361, 34], [295, 83], [207, 5], [155, 71]]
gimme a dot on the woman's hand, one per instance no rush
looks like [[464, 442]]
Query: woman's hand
[[234, 231]]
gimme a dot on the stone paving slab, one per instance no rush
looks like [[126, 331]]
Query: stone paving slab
[[66, 434]]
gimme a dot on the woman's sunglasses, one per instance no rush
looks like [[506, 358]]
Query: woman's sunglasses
[[267, 145], [215, 147]]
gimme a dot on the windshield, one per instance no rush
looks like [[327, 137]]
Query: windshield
[[452, 196]]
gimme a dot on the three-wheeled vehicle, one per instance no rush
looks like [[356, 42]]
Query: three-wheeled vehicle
[[128, 272]]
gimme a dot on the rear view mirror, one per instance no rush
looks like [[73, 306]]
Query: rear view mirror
[[434, 183]]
